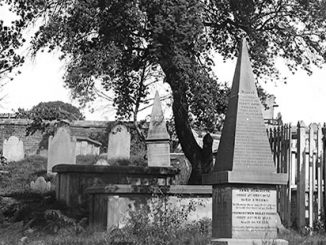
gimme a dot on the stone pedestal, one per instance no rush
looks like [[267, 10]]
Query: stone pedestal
[[158, 153], [242, 212]]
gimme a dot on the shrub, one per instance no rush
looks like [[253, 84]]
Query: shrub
[[162, 222]]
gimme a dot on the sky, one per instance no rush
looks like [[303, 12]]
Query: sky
[[302, 98]]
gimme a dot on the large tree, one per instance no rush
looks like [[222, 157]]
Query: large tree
[[113, 42]]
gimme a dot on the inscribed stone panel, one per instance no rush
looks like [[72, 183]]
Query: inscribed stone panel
[[253, 211]]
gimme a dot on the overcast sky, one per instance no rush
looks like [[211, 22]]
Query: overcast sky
[[302, 98]]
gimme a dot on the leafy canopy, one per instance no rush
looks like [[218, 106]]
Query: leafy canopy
[[11, 39], [46, 113], [111, 45]]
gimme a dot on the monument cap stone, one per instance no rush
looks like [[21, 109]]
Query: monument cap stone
[[157, 126], [244, 154]]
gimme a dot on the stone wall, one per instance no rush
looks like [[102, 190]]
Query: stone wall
[[17, 127]]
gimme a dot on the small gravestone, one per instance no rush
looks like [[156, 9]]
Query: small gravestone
[[119, 143], [244, 178], [179, 160], [158, 139], [40, 185], [62, 148], [102, 161], [13, 149]]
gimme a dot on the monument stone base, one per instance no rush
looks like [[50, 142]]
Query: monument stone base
[[245, 214], [230, 241], [158, 153]]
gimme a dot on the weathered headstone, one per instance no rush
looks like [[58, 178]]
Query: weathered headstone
[[13, 149], [78, 148], [119, 143], [102, 161], [61, 149], [179, 160], [40, 185], [84, 148], [244, 178], [158, 139]]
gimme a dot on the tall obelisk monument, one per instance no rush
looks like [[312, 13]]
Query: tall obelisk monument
[[244, 178]]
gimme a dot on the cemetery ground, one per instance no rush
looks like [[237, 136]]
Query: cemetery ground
[[32, 218]]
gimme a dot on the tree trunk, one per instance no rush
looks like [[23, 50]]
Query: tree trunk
[[197, 156], [186, 138]]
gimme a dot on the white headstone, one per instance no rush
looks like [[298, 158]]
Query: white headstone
[[78, 148], [83, 148], [13, 149], [102, 161], [62, 149], [40, 185], [119, 143]]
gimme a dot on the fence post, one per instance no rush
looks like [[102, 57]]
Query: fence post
[[324, 167], [319, 172], [288, 158], [301, 134], [283, 169], [311, 186]]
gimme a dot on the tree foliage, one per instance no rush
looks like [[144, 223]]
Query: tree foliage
[[112, 42], [45, 114], [10, 40]]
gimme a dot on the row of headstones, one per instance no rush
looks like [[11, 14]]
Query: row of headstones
[[62, 147], [13, 149]]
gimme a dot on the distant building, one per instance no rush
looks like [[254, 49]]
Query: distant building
[[269, 112], [7, 116]]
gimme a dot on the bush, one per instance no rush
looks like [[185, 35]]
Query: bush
[[162, 222]]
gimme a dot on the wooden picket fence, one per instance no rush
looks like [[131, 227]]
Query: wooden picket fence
[[299, 151]]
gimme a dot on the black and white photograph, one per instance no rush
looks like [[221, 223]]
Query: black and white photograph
[[162, 122]]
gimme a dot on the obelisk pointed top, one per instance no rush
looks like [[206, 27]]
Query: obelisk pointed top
[[243, 80], [157, 127], [244, 146]]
